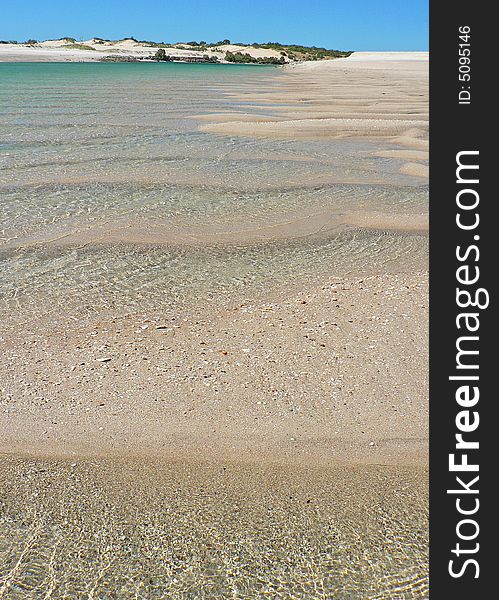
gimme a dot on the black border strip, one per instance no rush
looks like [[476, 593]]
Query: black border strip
[[455, 128]]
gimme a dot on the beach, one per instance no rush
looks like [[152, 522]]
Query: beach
[[215, 302]]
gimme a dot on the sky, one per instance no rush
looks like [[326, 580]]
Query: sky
[[335, 24]]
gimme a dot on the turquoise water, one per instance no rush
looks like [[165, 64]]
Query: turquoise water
[[86, 146]]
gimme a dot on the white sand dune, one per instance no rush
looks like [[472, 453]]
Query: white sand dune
[[64, 50]]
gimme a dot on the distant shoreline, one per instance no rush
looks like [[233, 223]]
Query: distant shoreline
[[131, 50]]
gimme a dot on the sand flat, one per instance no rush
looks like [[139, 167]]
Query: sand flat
[[234, 380], [377, 94]]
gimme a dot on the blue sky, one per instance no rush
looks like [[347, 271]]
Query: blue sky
[[337, 24]]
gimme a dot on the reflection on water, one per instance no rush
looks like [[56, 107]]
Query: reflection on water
[[102, 529]]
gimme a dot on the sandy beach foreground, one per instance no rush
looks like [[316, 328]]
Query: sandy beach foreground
[[263, 433]]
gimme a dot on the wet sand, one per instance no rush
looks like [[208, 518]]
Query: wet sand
[[329, 372]]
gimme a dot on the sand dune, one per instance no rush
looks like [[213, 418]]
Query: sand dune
[[95, 49]]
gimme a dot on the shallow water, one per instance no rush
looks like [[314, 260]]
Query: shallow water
[[85, 146], [116, 529]]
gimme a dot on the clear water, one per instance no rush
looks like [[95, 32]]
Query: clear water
[[114, 529], [95, 145]]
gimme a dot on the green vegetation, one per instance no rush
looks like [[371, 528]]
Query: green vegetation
[[196, 48], [292, 51], [79, 47], [31, 42], [240, 57], [126, 39], [161, 55], [297, 52], [156, 44]]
